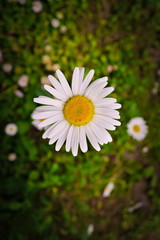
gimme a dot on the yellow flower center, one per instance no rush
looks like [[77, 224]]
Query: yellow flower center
[[78, 110], [136, 128]]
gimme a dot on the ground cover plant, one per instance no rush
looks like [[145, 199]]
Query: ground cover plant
[[112, 194]]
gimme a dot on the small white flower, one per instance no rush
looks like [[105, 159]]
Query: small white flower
[[108, 189], [7, 67], [11, 129], [145, 149], [22, 1], [63, 29], [19, 93], [137, 128], [12, 156], [37, 6], [78, 112], [23, 81], [48, 48], [55, 23], [45, 80], [90, 229], [135, 207]]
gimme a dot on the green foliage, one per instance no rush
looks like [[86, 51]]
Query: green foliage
[[52, 195]]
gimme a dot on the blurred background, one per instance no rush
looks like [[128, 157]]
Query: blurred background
[[113, 194]]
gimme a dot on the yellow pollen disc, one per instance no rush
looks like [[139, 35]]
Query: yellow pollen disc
[[136, 128], [78, 110]]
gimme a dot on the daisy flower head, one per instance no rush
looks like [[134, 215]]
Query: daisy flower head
[[23, 81], [11, 129], [79, 112], [37, 6], [137, 128]]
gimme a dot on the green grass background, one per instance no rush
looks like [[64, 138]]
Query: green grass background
[[50, 195]]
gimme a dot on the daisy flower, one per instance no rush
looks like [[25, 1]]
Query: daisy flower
[[11, 129], [79, 112], [7, 67], [108, 189], [55, 23], [12, 156], [23, 81], [137, 128], [37, 6]]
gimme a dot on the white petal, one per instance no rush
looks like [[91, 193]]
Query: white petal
[[45, 108], [99, 133], [62, 138], [105, 101], [43, 115], [108, 112], [101, 94], [51, 120], [58, 128], [55, 93], [94, 85], [101, 122], [115, 106], [96, 90], [49, 129], [109, 120], [69, 138], [82, 139], [48, 101], [91, 137], [64, 83], [81, 75], [75, 81], [57, 85], [75, 141], [86, 82]]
